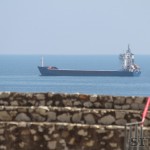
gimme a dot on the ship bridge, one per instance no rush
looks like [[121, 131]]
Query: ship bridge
[[127, 60]]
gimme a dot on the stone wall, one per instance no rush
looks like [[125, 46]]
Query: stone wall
[[70, 115], [72, 100], [60, 136], [55, 121]]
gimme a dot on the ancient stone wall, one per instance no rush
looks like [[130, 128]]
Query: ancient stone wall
[[72, 100], [55, 121], [70, 115]]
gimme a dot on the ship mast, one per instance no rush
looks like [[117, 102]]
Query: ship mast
[[42, 61]]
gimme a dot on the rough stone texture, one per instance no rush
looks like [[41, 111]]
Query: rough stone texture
[[129, 100], [97, 105], [107, 120], [88, 104], [14, 103], [57, 121], [117, 107], [22, 117], [82, 132], [37, 117], [77, 104], [108, 105], [4, 116], [77, 117], [69, 114], [120, 114], [135, 106], [71, 100], [121, 122], [126, 107], [4, 95], [119, 101], [67, 102], [64, 118], [51, 116], [62, 137], [83, 97], [93, 98], [89, 119], [42, 110], [40, 96], [51, 145]]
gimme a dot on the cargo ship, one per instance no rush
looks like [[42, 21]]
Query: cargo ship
[[129, 68]]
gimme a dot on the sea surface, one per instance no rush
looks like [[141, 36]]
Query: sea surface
[[19, 73]]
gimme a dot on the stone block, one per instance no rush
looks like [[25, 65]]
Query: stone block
[[139, 100], [14, 103], [121, 122], [119, 100], [117, 106], [93, 98], [46, 137], [37, 117], [1, 131], [82, 132], [71, 141], [87, 104], [107, 120], [2, 138], [129, 100], [120, 114], [90, 143], [89, 119], [42, 110], [51, 145], [67, 102], [4, 95], [22, 117], [135, 106], [108, 105], [97, 104], [126, 107], [77, 103], [113, 145], [64, 117], [40, 96], [83, 97], [51, 116], [4, 116], [76, 118]]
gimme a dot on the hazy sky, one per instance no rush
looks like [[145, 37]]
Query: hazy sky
[[74, 26]]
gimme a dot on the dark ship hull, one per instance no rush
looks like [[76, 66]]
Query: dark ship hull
[[46, 71]]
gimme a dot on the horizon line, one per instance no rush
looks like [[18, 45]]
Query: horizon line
[[70, 54]]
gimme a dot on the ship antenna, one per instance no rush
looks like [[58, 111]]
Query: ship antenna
[[128, 47], [42, 62]]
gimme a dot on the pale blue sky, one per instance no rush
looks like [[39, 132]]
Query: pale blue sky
[[74, 26]]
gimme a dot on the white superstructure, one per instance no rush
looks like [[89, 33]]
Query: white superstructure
[[127, 60]]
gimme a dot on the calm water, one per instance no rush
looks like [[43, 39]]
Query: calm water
[[19, 73]]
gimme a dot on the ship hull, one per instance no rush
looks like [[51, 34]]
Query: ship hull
[[57, 72]]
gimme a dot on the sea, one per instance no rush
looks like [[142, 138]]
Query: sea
[[19, 73]]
